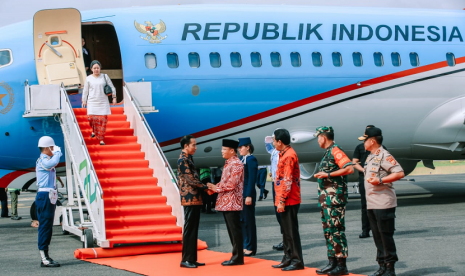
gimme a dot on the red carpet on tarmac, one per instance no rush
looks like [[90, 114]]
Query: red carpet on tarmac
[[168, 264]]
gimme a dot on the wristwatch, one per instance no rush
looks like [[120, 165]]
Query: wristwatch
[[380, 181]]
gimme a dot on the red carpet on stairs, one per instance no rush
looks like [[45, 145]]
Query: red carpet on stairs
[[135, 209]]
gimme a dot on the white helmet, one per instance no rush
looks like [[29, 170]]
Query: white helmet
[[46, 141]]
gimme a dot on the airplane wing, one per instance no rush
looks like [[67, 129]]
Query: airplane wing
[[140, 27]]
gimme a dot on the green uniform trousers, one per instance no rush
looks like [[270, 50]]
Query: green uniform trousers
[[333, 220], [14, 204]]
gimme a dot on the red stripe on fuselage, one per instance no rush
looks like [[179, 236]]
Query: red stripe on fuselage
[[316, 98], [8, 178]]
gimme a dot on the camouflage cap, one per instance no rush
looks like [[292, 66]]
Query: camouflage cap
[[322, 129]]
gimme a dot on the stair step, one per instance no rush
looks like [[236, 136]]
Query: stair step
[[121, 164], [110, 173], [116, 155], [112, 117], [144, 231], [147, 209], [127, 221], [110, 132], [110, 124], [111, 140], [134, 201], [131, 189], [83, 111], [141, 180], [114, 148], [130, 239]]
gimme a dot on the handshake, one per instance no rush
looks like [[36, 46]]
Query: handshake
[[211, 188]]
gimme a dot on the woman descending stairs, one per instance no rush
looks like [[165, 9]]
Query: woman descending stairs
[[135, 210]]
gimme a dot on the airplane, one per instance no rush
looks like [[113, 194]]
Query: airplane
[[230, 71]]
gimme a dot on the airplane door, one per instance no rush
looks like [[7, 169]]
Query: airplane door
[[58, 47]]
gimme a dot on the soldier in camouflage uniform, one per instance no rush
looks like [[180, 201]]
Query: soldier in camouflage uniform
[[332, 198]]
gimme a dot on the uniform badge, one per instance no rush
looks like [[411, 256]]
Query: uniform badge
[[373, 174], [377, 152], [151, 31], [391, 160]]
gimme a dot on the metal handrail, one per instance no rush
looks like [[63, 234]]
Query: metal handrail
[[91, 165], [155, 141]]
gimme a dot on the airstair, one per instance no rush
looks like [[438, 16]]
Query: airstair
[[124, 192]]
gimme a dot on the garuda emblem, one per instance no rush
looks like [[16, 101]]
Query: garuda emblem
[[151, 31]]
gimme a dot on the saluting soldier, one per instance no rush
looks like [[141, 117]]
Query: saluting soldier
[[381, 169], [332, 198]]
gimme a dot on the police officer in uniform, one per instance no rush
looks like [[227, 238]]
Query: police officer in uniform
[[46, 196], [332, 198], [381, 169]]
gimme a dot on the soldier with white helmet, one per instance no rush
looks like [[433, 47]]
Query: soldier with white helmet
[[46, 195]]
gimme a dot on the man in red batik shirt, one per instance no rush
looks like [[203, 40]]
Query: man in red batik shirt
[[287, 200], [230, 198]]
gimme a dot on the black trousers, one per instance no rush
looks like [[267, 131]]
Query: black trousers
[[233, 224], [190, 233], [4, 202], [383, 227], [291, 236], [278, 216], [249, 227], [363, 198]]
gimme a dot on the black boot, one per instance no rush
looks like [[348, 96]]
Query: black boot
[[381, 270], [390, 271], [46, 260], [331, 265], [341, 268]]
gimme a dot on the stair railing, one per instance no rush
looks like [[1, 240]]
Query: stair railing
[[86, 183], [154, 154]]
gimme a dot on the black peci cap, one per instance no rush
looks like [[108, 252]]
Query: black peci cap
[[371, 132]]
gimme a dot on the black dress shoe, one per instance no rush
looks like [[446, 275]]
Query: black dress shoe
[[282, 265], [260, 199], [265, 194], [278, 247], [252, 253], [364, 235], [293, 267], [16, 218], [229, 263], [188, 264], [199, 264]]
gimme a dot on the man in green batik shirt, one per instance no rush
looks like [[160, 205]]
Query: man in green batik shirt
[[332, 198]]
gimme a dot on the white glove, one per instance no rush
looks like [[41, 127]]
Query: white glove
[[268, 139], [56, 149]]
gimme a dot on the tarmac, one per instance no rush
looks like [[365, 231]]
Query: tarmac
[[430, 233]]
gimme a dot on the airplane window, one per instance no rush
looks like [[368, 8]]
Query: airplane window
[[236, 60], [450, 59], [256, 59], [414, 61], [317, 59], [275, 59], [5, 58], [194, 60], [378, 57], [357, 57], [395, 57], [215, 60], [150, 61], [295, 59], [172, 59], [337, 59]]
